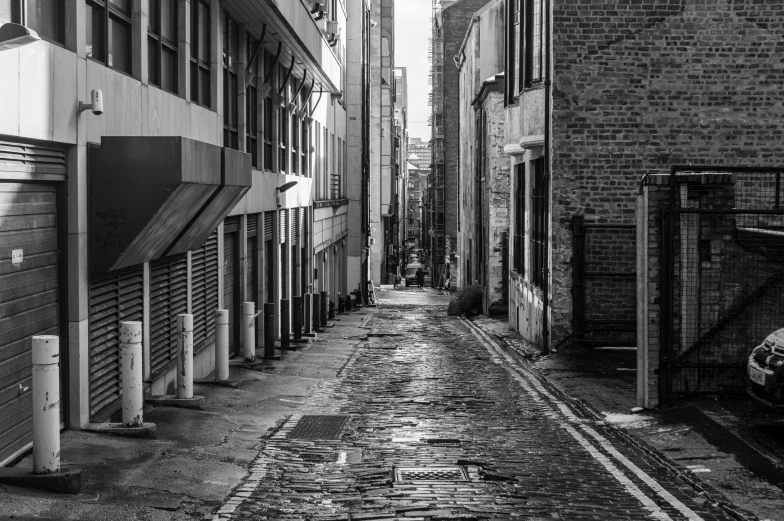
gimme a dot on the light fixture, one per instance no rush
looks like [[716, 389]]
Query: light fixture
[[282, 188], [16, 35]]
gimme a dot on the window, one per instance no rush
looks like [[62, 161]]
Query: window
[[534, 47], [200, 53], [162, 44], [304, 146], [519, 219], [295, 130], [46, 17], [230, 86], [539, 215], [269, 121], [283, 122], [511, 49], [251, 107], [109, 33]]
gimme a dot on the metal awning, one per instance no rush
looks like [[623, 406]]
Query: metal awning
[[154, 196]]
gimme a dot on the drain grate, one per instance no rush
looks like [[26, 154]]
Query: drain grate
[[430, 474], [319, 427]]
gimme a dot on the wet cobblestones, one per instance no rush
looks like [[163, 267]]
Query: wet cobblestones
[[422, 391]]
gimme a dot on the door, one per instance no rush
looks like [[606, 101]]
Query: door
[[29, 300]]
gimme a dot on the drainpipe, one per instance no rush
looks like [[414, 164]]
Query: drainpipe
[[547, 110]]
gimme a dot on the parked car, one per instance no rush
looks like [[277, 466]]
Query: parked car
[[411, 269], [766, 368]]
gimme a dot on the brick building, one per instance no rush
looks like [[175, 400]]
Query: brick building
[[484, 176], [636, 88]]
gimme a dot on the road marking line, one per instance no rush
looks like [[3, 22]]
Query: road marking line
[[530, 382]]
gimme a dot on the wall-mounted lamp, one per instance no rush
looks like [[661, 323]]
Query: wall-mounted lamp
[[97, 103], [16, 35], [282, 188]]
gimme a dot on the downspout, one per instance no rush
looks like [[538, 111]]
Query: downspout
[[547, 110]]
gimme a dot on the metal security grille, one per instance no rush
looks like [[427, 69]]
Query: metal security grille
[[168, 298], [295, 217], [604, 284], [204, 289], [430, 474], [319, 427], [722, 276], [114, 297]]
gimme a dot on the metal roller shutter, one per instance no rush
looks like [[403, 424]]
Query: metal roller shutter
[[204, 290], [229, 286], [301, 232], [268, 216], [282, 226], [114, 298], [29, 299], [251, 291], [253, 224], [295, 226], [168, 298]]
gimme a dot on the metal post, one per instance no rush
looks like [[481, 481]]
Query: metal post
[[248, 331], [348, 302], [184, 355], [316, 312], [46, 403], [307, 313], [297, 315], [269, 330], [284, 323], [324, 307], [341, 303], [331, 309], [132, 373], [221, 345]]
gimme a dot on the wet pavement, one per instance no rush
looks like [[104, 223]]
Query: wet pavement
[[430, 418]]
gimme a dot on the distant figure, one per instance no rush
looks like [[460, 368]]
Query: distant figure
[[420, 276]]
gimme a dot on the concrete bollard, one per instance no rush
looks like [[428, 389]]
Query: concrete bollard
[[331, 309], [221, 345], [297, 316], [248, 331], [324, 308], [285, 323], [132, 374], [269, 330], [46, 404], [316, 312], [306, 313], [341, 304], [184, 355], [348, 301]]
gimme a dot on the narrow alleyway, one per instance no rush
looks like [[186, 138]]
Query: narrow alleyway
[[431, 419]]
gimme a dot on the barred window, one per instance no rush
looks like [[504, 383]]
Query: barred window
[[519, 219]]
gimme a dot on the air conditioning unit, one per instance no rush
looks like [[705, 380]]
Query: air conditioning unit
[[332, 29]]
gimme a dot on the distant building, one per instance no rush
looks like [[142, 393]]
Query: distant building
[[482, 236]]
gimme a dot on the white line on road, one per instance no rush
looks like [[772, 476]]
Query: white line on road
[[536, 390]]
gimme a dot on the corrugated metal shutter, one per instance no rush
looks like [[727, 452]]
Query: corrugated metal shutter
[[302, 238], [28, 299], [204, 290], [114, 298], [269, 251], [251, 294], [18, 157], [231, 224], [229, 283], [268, 217], [168, 298], [282, 226], [253, 224], [295, 226]]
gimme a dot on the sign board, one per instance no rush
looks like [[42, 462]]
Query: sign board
[[17, 256]]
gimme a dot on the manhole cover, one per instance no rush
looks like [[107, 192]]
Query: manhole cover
[[430, 474], [319, 427]]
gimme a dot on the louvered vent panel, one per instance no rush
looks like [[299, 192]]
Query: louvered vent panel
[[114, 298], [231, 224], [17, 157], [268, 217], [294, 226], [302, 227], [282, 226], [253, 224], [168, 298], [204, 289]]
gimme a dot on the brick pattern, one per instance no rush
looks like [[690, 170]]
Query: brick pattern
[[641, 86]]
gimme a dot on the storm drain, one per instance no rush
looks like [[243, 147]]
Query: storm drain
[[319, 427], [430, 474]]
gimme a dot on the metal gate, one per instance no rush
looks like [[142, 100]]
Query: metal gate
[[604, 291], [722, 277]]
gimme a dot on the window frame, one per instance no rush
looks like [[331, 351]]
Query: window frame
[[20, 14], [252, 105], [268, 118], [518, 265], [533, 69], [160, 44], [230, 69], [198, 65], [283, 122], [112, 13]]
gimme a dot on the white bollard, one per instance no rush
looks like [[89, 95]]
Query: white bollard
[[184, 356], [132, 373], [248, 331], [46, 404], [221, 345]]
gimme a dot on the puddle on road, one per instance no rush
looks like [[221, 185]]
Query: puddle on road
[[347, 457]]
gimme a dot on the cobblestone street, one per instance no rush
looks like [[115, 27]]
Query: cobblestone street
[[431, 419]]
